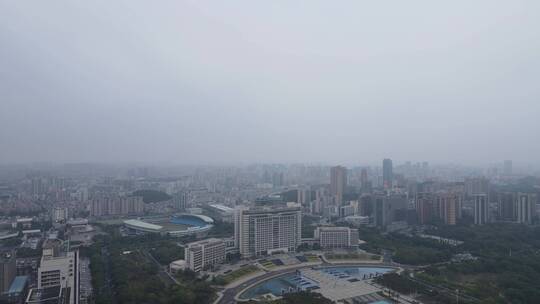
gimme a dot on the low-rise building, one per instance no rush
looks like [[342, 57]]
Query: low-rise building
[[336, 237], [204, 254], [226, 214], [178, 265]]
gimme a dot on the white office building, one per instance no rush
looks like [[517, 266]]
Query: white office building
[[59, 214], [59, 268], [336, 237], [204, 254], [268, 229]]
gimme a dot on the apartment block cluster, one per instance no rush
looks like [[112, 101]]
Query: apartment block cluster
[[397, 202], [116, 205]]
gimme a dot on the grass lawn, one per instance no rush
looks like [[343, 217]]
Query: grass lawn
[[237, 274], [312, 258], [268, 265], [351, 256]]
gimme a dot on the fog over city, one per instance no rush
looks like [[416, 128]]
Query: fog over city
[[194, 82]]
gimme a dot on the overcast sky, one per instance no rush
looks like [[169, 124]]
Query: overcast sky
[[269, 81]]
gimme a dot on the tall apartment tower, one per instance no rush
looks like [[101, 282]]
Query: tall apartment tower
[[476, 185], [180, 200], [263, 230], [388, 175], [304, 196], [102, 206], [365, 184], [338, 182], [449, 206], [481, 209], [424, 205], [507, 206], [8, 270], [526, 207]]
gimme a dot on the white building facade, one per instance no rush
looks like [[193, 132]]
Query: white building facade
[[60, 268], [336, 237], [264, 230], [204, 254]]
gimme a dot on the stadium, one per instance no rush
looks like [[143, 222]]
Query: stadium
[[177, 225]]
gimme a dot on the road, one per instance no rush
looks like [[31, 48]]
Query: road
[[165, 276]]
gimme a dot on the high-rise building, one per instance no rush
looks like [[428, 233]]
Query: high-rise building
[[388, 175], [180, 200], [304, 196], [449, 206], [387, 209], [102, 206], [424, 204], [338, 182], [263, 230], [8, 270], [204, 254], [364, 181], [59, 268], [526, 207], [59, 214], [481, 209], [365, 205], [321, 200], [336, 237], [507, 167], [346, 210], [38, 186], [507, 206], [476, 185]]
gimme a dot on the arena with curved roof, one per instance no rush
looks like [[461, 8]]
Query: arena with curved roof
[[177, 225]]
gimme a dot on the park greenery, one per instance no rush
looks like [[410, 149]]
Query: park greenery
[[352, 256], [152, 196], [505, 267], [410, 250], [14, 242], [124, 272], [237, 274], [221, 229]]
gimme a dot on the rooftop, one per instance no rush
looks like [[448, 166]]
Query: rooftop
[[18, 284], [142, 224], [45, 295], [222, 208]]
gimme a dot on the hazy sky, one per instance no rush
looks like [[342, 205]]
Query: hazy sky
[[271, 81]]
